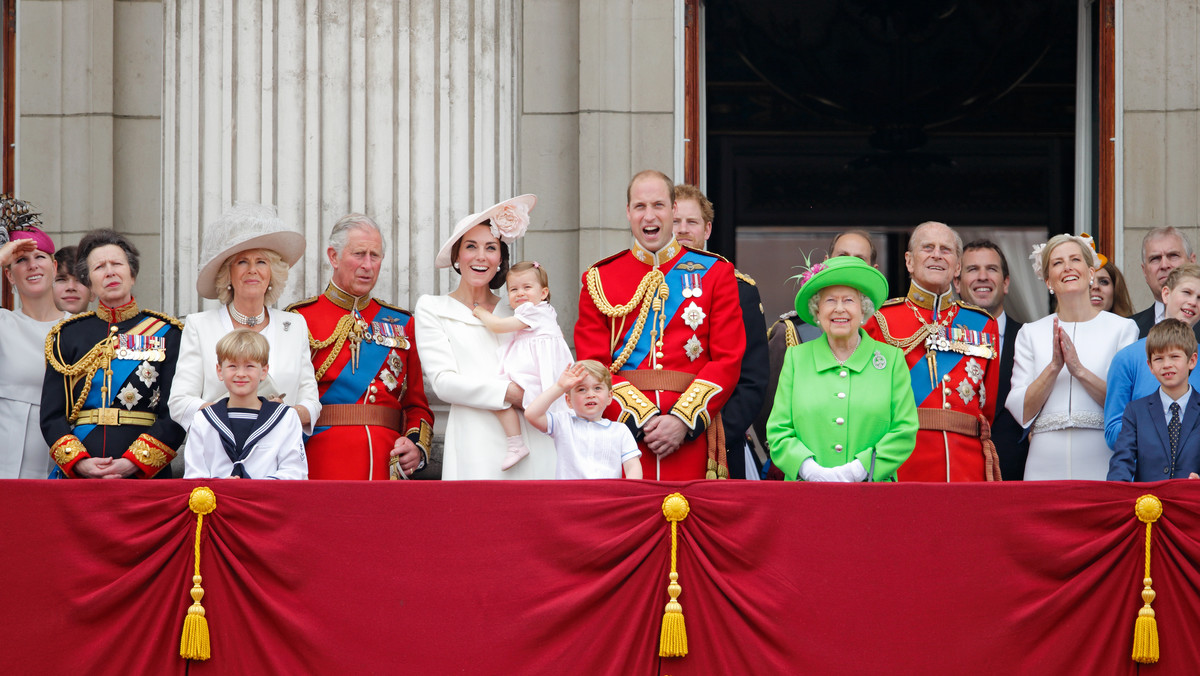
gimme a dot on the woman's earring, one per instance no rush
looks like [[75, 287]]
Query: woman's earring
[[229, 286], [456, 266], [1050, 290], [270, 286]]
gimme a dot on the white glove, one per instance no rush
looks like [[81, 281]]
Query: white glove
[[811, 470], [851, 472]]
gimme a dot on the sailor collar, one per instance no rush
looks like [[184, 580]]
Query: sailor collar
[[655, 258], [344, 300], [928, 299], [116, 315]]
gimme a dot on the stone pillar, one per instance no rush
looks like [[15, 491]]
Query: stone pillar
[[404, 111], [597, 106], [1161, 135]]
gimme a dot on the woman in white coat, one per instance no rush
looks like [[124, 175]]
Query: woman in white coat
[[1060, 368], [247, 254], [460, 356]]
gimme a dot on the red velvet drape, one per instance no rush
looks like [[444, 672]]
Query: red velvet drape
[[570, 577]]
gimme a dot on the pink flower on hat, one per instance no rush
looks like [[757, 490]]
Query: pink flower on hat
[[510, 222], [808, 274]]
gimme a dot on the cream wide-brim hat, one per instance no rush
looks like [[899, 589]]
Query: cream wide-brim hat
[[521, 202], [240, 229]]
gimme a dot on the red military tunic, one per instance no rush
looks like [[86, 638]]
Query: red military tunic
[[695, 339], [372, 400], [962, 376]]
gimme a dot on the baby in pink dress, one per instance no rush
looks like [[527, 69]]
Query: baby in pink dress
[[537, 354]]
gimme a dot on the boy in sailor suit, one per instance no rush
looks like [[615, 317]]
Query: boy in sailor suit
[[245, 436]]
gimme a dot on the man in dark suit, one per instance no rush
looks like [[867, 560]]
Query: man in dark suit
[[1163, 249], [692, 227], [1159, 439], [983, 281]]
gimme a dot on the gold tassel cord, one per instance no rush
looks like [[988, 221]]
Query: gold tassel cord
[[673, 640], [1145, 630], [194, 643]]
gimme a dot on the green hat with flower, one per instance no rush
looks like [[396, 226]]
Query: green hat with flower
[[840, 271]]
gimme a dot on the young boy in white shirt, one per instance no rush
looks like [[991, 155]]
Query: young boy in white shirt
[[245, 436], [589, 446]]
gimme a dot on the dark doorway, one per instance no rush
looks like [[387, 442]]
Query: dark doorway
[[827, 115]]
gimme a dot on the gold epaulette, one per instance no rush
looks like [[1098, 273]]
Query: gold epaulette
[[165, 317], [744, 277], [389, 306], [968, 306], [63, 322], [301, 303], [893, 301], [790, 337]]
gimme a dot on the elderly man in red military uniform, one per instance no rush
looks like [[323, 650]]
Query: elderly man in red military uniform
[[666, 320], [375, 420], [953, 351]]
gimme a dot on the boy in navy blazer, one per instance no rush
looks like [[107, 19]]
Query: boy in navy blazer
[[1159, 437]]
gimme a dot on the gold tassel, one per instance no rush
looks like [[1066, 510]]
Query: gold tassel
[[1145, 630], [673, 640], [194, 643]]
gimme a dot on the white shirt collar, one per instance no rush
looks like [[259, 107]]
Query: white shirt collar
[[1160, 311], [1002, 324], [1167, 401]]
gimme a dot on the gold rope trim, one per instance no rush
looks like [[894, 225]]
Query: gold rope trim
[[672, 641], [652, 290], [194, 643], [1145, 630], [343, 328]]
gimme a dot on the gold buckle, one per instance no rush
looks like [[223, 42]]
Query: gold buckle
[[107, 416]]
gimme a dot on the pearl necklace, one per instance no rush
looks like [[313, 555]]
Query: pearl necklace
[[244, 320]]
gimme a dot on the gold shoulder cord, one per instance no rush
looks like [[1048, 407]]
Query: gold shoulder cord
[[340, 332], [908, 343], [651, 291], [99, 357]]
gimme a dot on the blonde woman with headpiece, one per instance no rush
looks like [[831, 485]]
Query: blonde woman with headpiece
[[247, 254], [1060, 367], [460, 355]]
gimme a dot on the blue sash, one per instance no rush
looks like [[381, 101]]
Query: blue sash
[[674, 279], [351, 384], [122, 369], [919, 374]]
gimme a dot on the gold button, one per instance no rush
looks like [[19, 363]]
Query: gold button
[[658, 366], [371, 399], [946, 378], [659, 355], [945, 390], [946, 405], [374, 389]]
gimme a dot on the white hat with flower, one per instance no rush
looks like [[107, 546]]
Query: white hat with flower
[[509, 220]]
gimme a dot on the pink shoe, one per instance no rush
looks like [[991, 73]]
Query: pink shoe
[[517, 451]]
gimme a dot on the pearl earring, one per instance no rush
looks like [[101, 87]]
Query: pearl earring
[[229, 286], [270, 286], [456, 266], [1051, 291]]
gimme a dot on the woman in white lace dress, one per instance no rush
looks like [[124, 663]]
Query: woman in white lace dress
[[1060, 368]]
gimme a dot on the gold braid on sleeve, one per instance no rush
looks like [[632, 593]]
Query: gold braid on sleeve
[[652, 290], [343, 328]]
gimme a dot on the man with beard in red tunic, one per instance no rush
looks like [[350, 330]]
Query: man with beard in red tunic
[[375, 420], [666, 321]]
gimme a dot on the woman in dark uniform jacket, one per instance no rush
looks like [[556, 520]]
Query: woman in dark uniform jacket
[[109, 373]]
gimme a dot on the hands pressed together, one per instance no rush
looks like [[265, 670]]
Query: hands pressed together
[[851, 472]]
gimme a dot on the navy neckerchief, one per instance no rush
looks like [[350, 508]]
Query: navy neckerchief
[[269, 416]]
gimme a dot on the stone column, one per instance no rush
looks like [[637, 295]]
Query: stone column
[[404, 111]]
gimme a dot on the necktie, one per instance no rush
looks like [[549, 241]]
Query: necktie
[[1173, 429]]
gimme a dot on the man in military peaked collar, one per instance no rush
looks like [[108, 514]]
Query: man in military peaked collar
[[665, 319], [375, 420], [952, 350]]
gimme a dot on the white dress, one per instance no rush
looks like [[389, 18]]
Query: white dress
[[460, 361], [538, 355], [1066, 438], [25, 454], [291, 370]]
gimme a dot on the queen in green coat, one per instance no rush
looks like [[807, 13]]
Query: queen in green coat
[[844, 410]]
